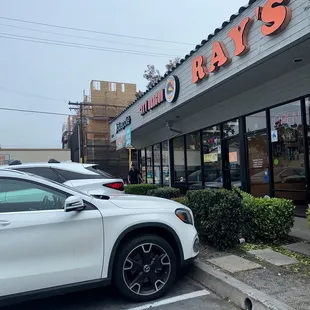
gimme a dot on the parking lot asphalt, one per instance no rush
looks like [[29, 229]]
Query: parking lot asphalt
[[185, 294]]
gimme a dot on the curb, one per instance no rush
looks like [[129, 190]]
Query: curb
[[239, 293]]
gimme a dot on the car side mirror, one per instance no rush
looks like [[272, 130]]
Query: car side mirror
[[74, 203]]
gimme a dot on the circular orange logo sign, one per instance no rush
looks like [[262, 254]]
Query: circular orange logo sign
[[172, 89]]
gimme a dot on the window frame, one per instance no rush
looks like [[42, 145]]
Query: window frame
[[45, 188], [88, 205]]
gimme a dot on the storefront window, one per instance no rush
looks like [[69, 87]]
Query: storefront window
[[179, 161], [143, 167], [149, 158], [166, 171], [231, 128], [193, 155], [256, 121], [288, 152], [212, 157], [157, 164]]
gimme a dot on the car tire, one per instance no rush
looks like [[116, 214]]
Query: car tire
[[145, 268]]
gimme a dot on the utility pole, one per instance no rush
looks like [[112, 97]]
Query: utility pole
[[80, 128]]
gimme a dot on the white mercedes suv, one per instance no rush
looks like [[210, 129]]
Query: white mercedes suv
[[55, 238], [84, 177]]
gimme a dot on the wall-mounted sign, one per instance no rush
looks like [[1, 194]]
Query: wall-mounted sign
[[172, 88], [124, 139], [122, 125], [170, 94], [275, 15], [153, 102]]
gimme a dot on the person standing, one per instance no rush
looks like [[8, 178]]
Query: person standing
[[134, 176]]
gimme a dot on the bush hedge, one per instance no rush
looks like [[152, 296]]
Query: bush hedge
[[219, 216], [139, 189], [267, 219], [183, 200], [165, 192]]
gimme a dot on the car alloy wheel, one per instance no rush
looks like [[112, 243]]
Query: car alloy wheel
[[146, 269]]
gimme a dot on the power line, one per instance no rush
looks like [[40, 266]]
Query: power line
[[30, 94], [78, 45], [93, 39], [34, 111], [92, 31]]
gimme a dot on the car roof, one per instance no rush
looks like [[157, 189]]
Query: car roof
[[10, 173], [63, 165]]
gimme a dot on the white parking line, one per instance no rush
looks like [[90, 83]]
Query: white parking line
[[172, 300]]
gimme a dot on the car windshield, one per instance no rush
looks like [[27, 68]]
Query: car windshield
[[96, 170]]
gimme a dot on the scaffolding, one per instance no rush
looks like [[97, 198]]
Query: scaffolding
[[104, 102]]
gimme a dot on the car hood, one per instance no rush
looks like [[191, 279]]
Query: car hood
[[144, 202]]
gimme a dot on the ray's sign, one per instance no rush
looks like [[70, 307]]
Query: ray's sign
[[275, 16]]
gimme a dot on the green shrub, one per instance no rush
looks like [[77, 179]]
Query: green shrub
[[139, 189], [269, 219], [219, 216], [165, 192], [182, 200], [308, 215]]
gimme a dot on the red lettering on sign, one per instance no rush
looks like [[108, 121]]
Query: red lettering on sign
[[276, 16], [199, 69], [220, 56], [287, 118], [152, 102], [240, 34]]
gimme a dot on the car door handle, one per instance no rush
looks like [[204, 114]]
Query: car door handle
[[4, 223]]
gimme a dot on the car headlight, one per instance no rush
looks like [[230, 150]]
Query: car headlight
[[185, 216]]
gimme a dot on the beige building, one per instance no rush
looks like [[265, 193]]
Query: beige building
[[33, 155], [107, 100], [104, 102]]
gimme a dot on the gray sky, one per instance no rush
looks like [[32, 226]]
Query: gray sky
[[30, 71]]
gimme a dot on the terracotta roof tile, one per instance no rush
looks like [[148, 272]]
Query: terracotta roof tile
[[203, 42]]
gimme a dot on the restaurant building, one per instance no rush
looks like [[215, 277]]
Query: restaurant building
[[234, 111]]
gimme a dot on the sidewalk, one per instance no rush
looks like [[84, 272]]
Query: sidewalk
[[301, 229], [281, 272]]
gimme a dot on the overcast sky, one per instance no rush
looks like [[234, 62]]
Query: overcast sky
[[45, 77]]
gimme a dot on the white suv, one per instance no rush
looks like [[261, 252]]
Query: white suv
[[56, 238], [87, 178]]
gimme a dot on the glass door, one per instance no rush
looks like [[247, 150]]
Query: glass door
[[289, 155], [231, 157], [257, 146]]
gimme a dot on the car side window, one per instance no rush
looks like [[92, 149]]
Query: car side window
[[25, 196], [44, 172]]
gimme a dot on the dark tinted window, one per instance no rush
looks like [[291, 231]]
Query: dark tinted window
[[42, 172], [70, 175], [96, 169]]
